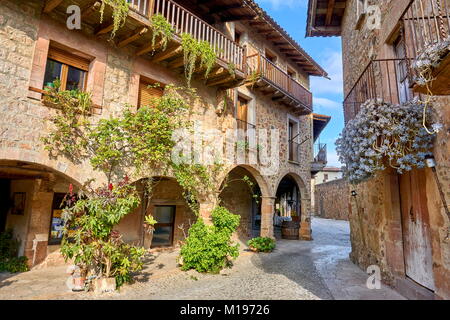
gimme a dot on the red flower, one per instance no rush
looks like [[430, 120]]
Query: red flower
[[110, 187], [70, 189]]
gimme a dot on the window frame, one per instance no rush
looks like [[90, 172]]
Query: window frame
[[67, 60], [147, 81]]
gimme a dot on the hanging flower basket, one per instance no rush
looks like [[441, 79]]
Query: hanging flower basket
[[432, 69], [383, 134]]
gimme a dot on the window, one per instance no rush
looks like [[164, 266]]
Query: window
[[291, 73], [237, 37], [293, 144], [242, 113], [270, 56], [325, 177], [404, 93], [149, 90], [70, 69]]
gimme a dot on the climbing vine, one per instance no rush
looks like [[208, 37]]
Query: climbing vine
[[120, 10], [194, 51], [163, 29], [383, 135]]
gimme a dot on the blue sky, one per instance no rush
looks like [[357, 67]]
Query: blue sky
[[328, 96]]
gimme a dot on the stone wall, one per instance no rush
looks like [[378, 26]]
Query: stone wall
[[113, 79], [375, 213], [332, 200]]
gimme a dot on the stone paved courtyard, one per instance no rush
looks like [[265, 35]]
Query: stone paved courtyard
[[296, 270]]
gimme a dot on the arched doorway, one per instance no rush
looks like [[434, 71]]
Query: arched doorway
[[162, 198], [31, 195], [288, 204], [241, 194]]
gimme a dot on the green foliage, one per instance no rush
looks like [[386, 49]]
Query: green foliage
[[232, 69], [89, 235], [195, 50], [261, 244], [161, 28], [197, 180], [120, 10], [8, 254], [67, 135], [209, 248]]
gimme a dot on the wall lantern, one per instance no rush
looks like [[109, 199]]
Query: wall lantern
[[354, 193]]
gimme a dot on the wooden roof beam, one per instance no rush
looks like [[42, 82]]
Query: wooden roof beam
[[136, 35], [330, 10], [51, 4]]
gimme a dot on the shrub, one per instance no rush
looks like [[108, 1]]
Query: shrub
[[209, 248], [261, 244], [8, 254], [89, 237]]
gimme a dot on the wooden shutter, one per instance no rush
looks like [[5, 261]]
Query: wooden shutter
[[69, 59], [147, 94], [242, 109]]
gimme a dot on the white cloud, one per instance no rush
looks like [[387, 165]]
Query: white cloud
[[332, 63], [326, 103]]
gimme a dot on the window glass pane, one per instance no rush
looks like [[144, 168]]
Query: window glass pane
[[75, 79], [52, 72], [164, 214], [162, 236]]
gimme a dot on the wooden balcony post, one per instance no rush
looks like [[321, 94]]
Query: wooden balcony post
[[151, 8]]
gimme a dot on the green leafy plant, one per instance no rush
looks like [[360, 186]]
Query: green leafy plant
[[120, 9], [161, 28], [261, 244], [9, 261], [69, 123], [194, 51], [89, 235], [209, 248]]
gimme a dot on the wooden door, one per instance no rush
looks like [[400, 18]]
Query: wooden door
[[416, 228], [242, 114], [164, 228]]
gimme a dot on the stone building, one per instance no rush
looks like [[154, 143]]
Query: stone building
[[331, 199], [398, 222], [37, 47]]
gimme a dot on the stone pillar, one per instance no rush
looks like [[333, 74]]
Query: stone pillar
[[205, 211], [267, 212], [39, 224], [305, 224]]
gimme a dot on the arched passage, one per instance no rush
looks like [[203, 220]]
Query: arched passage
[[292, 203], [242, 193], [30, 204], [162, 198]]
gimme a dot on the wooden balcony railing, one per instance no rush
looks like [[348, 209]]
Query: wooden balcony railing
[[425, 22], [320, 153], [261, 66], [385, 79], [183, 21]]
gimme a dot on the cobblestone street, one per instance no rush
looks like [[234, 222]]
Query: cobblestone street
[[295, 270]]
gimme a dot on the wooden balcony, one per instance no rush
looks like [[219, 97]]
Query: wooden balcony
[[264, 75], [427, 23], [320, 158], [385, 79], [229, 69]]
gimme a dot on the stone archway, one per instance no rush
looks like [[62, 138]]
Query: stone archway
[[256, 215], [30, 198], [303, 200]]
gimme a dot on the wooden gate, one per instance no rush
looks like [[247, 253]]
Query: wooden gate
[[416, 228]]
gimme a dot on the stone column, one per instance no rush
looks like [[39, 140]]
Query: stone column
[[39, 223], [267, 212], [305, 224], [205, 211]]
